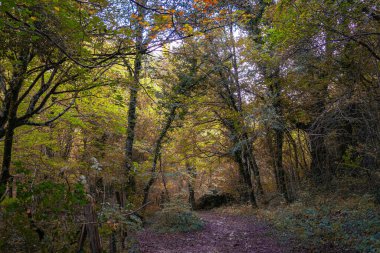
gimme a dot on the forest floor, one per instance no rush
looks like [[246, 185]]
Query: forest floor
[[222, 233]]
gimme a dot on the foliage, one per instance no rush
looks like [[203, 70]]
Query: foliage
[[116, 218], [43, 218], [330, 221], [176, 216]]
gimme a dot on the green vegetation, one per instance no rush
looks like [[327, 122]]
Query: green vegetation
[[51, 227], [330, 222], [176, 216]]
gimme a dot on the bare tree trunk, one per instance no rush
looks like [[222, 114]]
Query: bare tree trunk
[[190, 183], [132, 117], [167, 196], [7, 156], [130, 138], [112, 241], [297, 163], [282, 185], [92, 229], [252, 163], [244, 172], [82, 238]]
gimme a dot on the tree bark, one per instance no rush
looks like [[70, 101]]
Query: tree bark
[[190, 185], [92, 229], [252, 163], [279, 128], [132, 116], [163, 177], [244, 172]]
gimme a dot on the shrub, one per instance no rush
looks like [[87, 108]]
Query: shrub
[[115, 218], [176, 216], [44, 219], [118, 226], [349, 224]]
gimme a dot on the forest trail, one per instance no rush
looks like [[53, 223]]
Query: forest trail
[[221, 234]]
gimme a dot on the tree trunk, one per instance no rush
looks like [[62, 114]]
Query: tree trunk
[[247, 149], [319, 157], [7, 156], [163, 177], [317, 134], [92, 229], [82, 239], [244, 172], [279, 128], [244, 157], [157, 151], [252, 164], [112, 245], [11, 117], [132, 117], [190, 183], [282, 185]]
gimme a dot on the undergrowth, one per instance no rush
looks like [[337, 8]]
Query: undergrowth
[[176, 216], [325, 222]]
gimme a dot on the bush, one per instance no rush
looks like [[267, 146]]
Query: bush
[[114, 218], [42, 220], [118, 226], [331, 224], [176, 216]]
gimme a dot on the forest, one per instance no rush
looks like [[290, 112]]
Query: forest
[[189, 126]]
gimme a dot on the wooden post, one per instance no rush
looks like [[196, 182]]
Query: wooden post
[[82, 238], [90, 230]]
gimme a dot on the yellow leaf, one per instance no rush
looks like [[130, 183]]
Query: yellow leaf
[[188, 28]]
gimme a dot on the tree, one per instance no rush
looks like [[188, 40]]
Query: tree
[[319, 49], [43, 48], [174, 103], [151, 24]]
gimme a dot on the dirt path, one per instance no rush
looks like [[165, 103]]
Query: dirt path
[[222, 234]]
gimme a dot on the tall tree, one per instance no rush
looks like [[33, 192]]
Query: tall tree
[[43, 48]]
